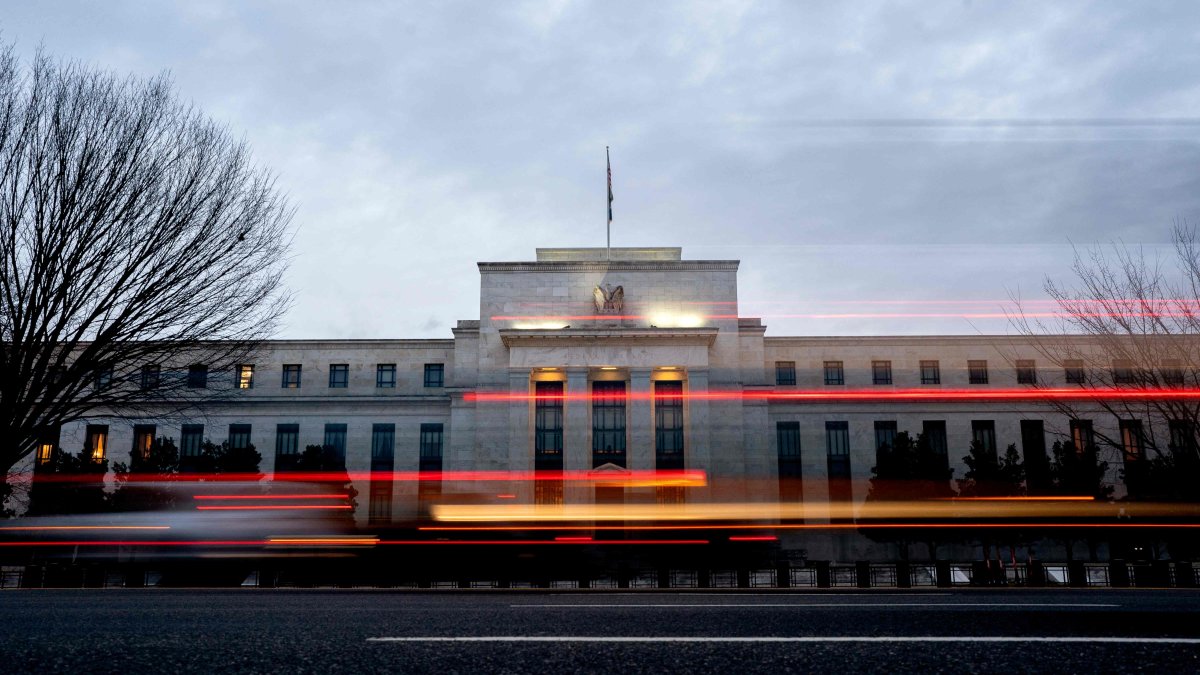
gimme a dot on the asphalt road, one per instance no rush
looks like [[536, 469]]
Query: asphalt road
[[159, 630]]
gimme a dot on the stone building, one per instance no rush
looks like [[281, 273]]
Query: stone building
[[621, 359]]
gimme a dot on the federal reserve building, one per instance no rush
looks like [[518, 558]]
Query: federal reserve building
[[596, 362]]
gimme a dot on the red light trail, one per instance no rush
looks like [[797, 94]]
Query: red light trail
[[898, 394]]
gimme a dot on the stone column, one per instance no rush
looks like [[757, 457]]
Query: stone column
[[697, 452], [577, 422], [520, 447], [640, 452]]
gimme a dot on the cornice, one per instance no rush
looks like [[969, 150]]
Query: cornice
[[703, 336], [613, 266]]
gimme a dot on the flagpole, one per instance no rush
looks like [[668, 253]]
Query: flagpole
[[608, 228]]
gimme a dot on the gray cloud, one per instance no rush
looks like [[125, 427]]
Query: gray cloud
[[845, 152]]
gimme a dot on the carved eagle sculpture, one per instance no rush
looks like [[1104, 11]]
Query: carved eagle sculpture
[[609, 300]]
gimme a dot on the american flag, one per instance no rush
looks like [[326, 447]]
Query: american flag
[[608, 162]]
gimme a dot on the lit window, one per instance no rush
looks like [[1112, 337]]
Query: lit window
[[339, 375], [1082, 436], [143, 438], [385, 376], [45, 452], [97, 441], [1132, 441], [245, 376], [435, 374]]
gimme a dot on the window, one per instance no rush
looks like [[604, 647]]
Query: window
[[548, 426], [931, 372], [934, 432], [379, 506], [1033, 443], [1172, 373], [431, 447], [383, 462], [1132, 441], [837, 449], [983, 432], [103, 378], [885, 436], [834, 373], [239, 436], [977, 372], [435, 374], [197, 377], [45, 452], [383, 447], [1073, 370], [143, 438], [1082, 436], [1183, 435], [291, 376], [385, 376], [785, 373], [668, 425], [287, 446], [335, 439], [608, 423], [1122, 372], [97, 441], [1026, 371], [881, 372], [787, 436], [245, 376], [47, 442], [339, 375], [150, 376], [191, 442]]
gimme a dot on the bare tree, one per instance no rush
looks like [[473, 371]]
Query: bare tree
[[1127, 336], [141, 249]]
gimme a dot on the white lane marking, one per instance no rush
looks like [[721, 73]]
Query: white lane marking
[[804, 639], [817, 605]]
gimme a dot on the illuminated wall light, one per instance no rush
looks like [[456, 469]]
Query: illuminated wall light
[[539, 325], [676, 320], [608, 367]]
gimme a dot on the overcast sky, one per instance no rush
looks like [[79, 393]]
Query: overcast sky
[[868, 159]]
